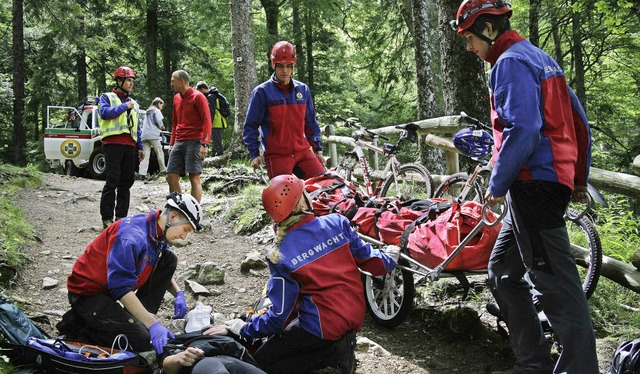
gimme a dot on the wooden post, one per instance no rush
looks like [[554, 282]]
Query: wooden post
[[333, 148], [373, 156], [452, 153]]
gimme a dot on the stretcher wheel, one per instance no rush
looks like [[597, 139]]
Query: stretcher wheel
[[389, 298]]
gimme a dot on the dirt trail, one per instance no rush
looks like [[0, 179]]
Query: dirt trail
[[65, 214]]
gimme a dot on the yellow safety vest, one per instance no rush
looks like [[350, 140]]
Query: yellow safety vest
[[120, 125]]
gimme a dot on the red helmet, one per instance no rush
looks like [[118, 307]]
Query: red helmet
[[283, 52], [469, 11], [124, 72], [281, 196]]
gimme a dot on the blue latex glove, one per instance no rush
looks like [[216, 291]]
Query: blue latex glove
[[159, 336], [179, 306]]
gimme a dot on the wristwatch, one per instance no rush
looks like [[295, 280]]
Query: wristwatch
[[206, 145]]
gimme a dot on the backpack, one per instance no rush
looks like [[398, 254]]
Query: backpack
[[330, 193], [431, 238], [64, 356], [27, 345], [225, 107]]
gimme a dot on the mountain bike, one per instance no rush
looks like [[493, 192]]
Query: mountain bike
[[584, 238], [403, 181]]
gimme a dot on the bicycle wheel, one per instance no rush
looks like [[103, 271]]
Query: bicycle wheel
[[587, 249], [389, 298], [451, 189], [413, 181]]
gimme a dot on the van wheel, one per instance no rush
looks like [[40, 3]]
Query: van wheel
[[97, 164], [72, 170]]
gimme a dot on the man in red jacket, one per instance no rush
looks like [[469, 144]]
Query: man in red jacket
[[190, 134]]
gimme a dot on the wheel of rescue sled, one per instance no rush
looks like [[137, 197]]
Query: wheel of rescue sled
[[389, 298]]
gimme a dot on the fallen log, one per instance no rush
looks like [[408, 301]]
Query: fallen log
[[620, 272]]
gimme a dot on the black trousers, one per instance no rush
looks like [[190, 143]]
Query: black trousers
[[120, 169], [296, 351], [99, 319]]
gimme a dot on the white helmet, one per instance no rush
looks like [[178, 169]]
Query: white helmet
[[188, 205]]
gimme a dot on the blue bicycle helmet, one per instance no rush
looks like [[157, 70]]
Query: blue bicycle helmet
[[626, 360], [473, 143]]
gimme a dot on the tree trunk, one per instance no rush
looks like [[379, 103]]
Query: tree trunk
[[167, 71], [297, 41], [81, 71], [17, 52], [557, 43], [81, 55], [534, 17], [462, 72], [463, 76], [272, 14], [423, 32], [578, 81], [308, 33], [244, 66], [152, 48]]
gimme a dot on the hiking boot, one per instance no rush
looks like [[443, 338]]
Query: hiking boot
[[494, 310], [106, 223], [345, 349], [141, 177]]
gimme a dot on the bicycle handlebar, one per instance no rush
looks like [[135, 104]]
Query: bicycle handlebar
[[354, 123], [474, 122]]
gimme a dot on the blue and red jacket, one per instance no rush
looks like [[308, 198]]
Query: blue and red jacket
[[540, 129], [317, 279], [285, 118], [120, 259]]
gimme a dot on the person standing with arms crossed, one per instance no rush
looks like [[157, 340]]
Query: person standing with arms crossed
[[190, 134], [281, 111], [121, 143], [541, 162]]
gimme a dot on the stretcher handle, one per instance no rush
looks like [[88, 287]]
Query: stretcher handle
[[485, 219], [574, 217]]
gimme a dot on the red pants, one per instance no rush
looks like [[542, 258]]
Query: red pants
[[303, 164]]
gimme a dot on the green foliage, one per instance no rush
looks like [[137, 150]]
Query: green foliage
[[619, 228], [614, 311], [243, 210], [15, 229]]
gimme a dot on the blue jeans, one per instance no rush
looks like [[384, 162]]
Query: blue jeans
[[532, 256]]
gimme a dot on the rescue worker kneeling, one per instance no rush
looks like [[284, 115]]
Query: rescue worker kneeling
[[315, 287]]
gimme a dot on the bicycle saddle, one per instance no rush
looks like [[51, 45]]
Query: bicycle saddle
[[409, 127]]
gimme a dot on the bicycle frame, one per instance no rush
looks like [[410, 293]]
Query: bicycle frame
[[390, 167]]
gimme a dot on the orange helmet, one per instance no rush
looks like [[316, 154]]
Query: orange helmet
[[124, 72], [280, 198], [469, 11], [283, 52]]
